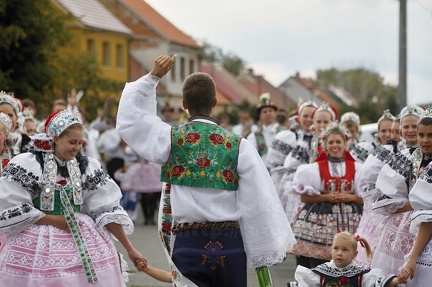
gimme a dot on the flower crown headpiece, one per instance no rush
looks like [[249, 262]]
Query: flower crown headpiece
[[58, 122], [386, 116], [427, 113], [8, 99], [333, 129], [305, 104], [265, 101], [350, 117], [411, 110], [7, 121], [326, 107]]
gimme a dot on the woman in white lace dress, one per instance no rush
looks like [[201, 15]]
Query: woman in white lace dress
[[419, 261], [58, 210], [371, 223], [394, 184]]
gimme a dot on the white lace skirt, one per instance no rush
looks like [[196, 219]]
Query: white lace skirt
[[394, 243], [423, 273], [370, 228], [43, 255]]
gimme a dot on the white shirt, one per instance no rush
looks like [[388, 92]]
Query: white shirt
[[266, 232]]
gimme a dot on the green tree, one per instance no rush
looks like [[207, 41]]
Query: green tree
[[367, 86], [231, 62], [30, 33]]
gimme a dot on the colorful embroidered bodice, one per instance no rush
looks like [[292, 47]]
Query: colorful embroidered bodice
[[351, 276], [202, 155], [58, 206], [337, 184]]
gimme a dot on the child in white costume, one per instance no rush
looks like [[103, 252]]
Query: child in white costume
[[341, 271]]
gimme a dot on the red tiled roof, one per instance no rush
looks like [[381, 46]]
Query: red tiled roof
[[257, 85], [228, 85], [156, 21], [316, 91]]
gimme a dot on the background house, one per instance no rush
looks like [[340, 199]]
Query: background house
[[153, 35]]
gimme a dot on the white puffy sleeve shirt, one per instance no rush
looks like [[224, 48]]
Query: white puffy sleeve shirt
[[266, 232], [21, 182]]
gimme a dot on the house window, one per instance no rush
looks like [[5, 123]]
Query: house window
[[91, 49], [182, 68], [106, 54], [191, 66], [119, 56]]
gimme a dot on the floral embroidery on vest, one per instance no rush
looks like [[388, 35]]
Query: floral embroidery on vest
[[202, 155], [337, 184]]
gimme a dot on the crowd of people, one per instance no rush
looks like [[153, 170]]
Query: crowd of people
[[229, 196]]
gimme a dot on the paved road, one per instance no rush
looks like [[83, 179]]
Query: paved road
[[146, 240]]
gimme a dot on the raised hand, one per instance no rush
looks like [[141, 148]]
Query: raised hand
[[162, 65]]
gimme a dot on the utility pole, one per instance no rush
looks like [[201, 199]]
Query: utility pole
[[402, 87]]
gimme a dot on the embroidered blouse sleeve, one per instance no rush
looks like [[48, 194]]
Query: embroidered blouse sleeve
[[307, 179], [283, 143], [421, 200], [19, 184], [376, 278], [266, 231], [138, 123], [101, 196], [392, 184], [306, 278]]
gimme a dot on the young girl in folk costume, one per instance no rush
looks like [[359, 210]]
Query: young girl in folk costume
[[58, 210], [11, 106], [342, 270], [419, 261], [304, 153], [291, 149], [329, 191], [394, 183], [5, 127], [371, 223], [350, 121]]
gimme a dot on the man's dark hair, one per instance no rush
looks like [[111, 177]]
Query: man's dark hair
[[426, 121], [199, 93]]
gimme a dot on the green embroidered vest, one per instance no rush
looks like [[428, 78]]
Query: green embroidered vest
[[202, 155], [58, 206]]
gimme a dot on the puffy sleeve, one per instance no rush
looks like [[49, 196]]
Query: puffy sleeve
[[421, 200], [266, 231], [282, 145], [101, 196], [392, 184], [307, 179], [138, 123], [371, 168], [306, 277], [376, 278], [19, 184]]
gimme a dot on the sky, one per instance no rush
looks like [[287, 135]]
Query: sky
[[278, 38]]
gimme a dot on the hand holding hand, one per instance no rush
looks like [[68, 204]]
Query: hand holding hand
[[139, 260], [162, 65]]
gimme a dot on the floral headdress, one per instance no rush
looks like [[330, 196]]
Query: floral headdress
[[411, 110], [334, 129], [326, 107], [7, 121], [265, 101], [305, 104], [386, 116], [427, 113], [58, 122], [5, 98], [350, 117]]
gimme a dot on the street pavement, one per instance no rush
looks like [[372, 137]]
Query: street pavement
[[146, 240]]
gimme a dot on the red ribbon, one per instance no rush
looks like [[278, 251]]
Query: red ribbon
[[361, 242]]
